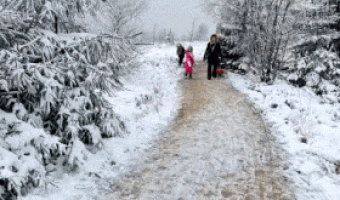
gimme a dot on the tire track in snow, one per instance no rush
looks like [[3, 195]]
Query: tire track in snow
[[217, 148]]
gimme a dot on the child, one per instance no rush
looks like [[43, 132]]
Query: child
[[189, 61], [180, 54]]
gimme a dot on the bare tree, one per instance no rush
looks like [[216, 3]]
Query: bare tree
[[166, 36], [263, 26], [123, 14], [184, 37], [192, 29], [170, 37], [116, 17], [202, 32], [270, 27], [154, 30], [161, 35]]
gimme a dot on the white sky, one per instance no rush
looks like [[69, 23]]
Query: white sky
[[176, 15]]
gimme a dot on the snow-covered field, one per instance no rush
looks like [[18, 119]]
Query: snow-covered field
[[308, 129], [146, 106]]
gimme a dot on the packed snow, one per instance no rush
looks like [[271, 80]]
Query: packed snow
[[307, 126]]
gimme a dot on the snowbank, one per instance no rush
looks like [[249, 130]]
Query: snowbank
[[147, 105], [308, 128]]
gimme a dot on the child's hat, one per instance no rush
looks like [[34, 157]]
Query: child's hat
[[190, 48]]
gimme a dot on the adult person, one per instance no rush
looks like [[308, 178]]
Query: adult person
[[212, 54], [180, 53]]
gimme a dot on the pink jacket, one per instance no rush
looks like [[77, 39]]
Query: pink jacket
[[189, 59]]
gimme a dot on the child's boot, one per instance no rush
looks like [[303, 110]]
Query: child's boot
[[190, 75]]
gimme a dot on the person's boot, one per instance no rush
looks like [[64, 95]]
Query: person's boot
[[190, 75]]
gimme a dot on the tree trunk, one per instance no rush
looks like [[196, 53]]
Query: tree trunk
[[56, 24]]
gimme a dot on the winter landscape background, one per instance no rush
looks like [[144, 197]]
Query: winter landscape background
[[86, 91]]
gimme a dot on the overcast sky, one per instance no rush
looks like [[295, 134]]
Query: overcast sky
[[177, 15]]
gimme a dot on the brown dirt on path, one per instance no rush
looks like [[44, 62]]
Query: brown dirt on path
[[216, 149]]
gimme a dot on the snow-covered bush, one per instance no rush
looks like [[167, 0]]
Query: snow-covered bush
[[23, 152], [320, 71], [57, 84], [70, 73], [19, 18]]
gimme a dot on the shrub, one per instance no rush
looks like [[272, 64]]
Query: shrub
[[58, 84], [317, 70]]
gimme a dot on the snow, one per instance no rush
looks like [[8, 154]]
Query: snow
[[230, 26], [149, 103], [301, 113], [147, 106]]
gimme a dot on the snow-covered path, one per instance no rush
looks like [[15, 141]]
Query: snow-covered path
[[217, 148]]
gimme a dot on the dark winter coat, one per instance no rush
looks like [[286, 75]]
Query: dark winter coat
[[212, 53], [180, 51]]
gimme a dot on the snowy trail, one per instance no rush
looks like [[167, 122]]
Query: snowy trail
[[217, 148]]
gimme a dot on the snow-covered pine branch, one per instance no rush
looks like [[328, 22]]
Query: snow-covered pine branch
[[54, 84]]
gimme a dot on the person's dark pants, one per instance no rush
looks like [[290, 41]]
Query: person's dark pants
[[180, 60], [214, 69]]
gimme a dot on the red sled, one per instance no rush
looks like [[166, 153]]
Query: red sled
[[220, 72]]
